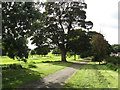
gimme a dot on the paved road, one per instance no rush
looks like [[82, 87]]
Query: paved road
[[56, 79]]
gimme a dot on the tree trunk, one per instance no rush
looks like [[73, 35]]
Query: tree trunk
[[74, 56], [99, 62], [63, 56]]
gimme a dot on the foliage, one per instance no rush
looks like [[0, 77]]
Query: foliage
[[114, 60], [12, 66], [17, 21], [109, 65], [32, 52], [100, 47], [56, 51], [61, 18], [42, 50], [79, 42], [116, 48]]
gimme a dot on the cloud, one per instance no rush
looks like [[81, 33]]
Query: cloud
[[104, 15]]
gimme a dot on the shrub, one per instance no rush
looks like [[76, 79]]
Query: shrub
[[31, 65], [114, 60], [11, 66], [15, 66], [110, 66]]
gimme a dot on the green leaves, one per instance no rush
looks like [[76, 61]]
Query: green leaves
[[18, 18]]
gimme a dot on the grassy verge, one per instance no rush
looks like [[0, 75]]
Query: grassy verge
[[14, 78], [93, 76]]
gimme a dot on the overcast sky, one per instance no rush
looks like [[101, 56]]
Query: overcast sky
[[104, 15]]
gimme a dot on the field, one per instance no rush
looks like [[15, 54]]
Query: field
[[35, 68], [93, 75]]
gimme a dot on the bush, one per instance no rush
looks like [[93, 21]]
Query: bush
[[12, 66], [15, 66], [114, 60], [110, 66], [31, 65]]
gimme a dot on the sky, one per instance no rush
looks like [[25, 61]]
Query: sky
[[104, 15]]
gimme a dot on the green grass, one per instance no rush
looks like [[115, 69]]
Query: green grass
[[15, 78], [36, 59], [93, 76]]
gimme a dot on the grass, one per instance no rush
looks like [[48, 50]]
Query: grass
[[13, 78], [36, 59], [93, 76]]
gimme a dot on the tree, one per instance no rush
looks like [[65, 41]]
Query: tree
[[116, 48], [43, 50], [32, 52], [79, 42], [61, 19], [56, 51], [17, 21], [99, 47]]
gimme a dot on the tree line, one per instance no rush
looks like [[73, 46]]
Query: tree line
[[60, 25]]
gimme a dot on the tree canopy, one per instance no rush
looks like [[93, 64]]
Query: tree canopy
[[17, 21], [61, 19], [100, 47]]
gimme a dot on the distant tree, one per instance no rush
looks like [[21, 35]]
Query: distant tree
[[17, 21], [43, 50], [56, 51], [116, 48], [99, 47]]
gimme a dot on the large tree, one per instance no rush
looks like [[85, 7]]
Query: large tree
[[62, 18], [17, 21], [79, 42], [100, 47]]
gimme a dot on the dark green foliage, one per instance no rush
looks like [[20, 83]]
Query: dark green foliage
[[12, 66], [110, 66], [61, 20], [114, 60], [56, 51], [32, 65], [116, 48], [42, 50], [79, 42], [17, 21], [32, 52]]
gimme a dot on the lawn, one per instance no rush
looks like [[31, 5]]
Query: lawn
[[13, 78], [93, 76], [36, 59]]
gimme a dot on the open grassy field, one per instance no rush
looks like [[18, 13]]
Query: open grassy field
[[93, 76], [36, 59], [13, 78]]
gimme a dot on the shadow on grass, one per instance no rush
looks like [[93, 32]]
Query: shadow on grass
[[13, 78], [40, 84]]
